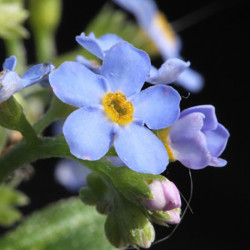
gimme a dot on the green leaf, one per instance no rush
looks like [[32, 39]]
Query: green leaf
[[133, 185], [12, 15], [67, 224], [9, 198]]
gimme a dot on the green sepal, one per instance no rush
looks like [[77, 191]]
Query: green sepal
[[66, 224], [97, 193], [9, 198], [12, 117], [128, 225], [10, 114]]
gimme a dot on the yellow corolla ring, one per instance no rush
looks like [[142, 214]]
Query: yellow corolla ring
[[163, 136], [117, 108]]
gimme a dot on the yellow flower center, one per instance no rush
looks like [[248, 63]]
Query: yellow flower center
[[118, 108], [163, 136], [161, 22]]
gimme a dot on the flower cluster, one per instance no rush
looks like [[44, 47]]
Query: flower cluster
[[124, 131]]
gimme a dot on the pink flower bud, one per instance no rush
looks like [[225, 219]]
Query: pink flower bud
[[175, 216], [166, 196]]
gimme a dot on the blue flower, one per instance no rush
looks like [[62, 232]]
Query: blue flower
[[197, 139], [167, 73], [71, 174], [155, 24], [112, 110], [10, 82]]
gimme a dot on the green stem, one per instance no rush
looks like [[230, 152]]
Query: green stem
[[16, 47], [27, 131], [24, 153], [45, 46]]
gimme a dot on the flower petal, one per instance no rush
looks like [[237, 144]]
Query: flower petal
[[186, 127], [92, 65], [115, 160], [71, 174], [168, 72], [140, 149], [10, 63], [217, 162], [10, 83], [98, 46], [157, 106], [191, 80], [192, 153], [88, 133], [210, 120], [217, 140], [75, 84], [144, 11], [36, 74], [126, 68]]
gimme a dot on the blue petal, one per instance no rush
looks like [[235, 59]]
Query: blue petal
[[191, 80], [115, 160], [126, 68], [98, 46], [71, 174], [140, 149], [210, 120], [192, 153], [217, 162], [88, 133], [144, 11], [164, 37], [10, 63], [36, 74], [186, 127], [75, 84], [10, 83], [92, 65], [217, 140], [168, 72], [157, 106]]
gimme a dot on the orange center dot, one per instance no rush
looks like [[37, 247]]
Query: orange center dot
[[117, 108]]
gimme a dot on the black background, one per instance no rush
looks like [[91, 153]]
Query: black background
[[217, 47]]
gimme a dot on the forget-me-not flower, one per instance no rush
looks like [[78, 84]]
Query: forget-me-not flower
[[112, 110], [196, 139], [167, 73], [155, 24], [10, 82]]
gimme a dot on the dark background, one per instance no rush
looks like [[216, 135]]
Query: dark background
[[217, 47]]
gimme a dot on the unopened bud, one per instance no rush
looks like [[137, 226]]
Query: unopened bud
[[166, 217], [10, 114], [165, 196]]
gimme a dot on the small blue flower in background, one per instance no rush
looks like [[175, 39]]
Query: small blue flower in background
[[167, 73], [10, 82], [197, 139], [155, 24], [113, 110], [71, 174]]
